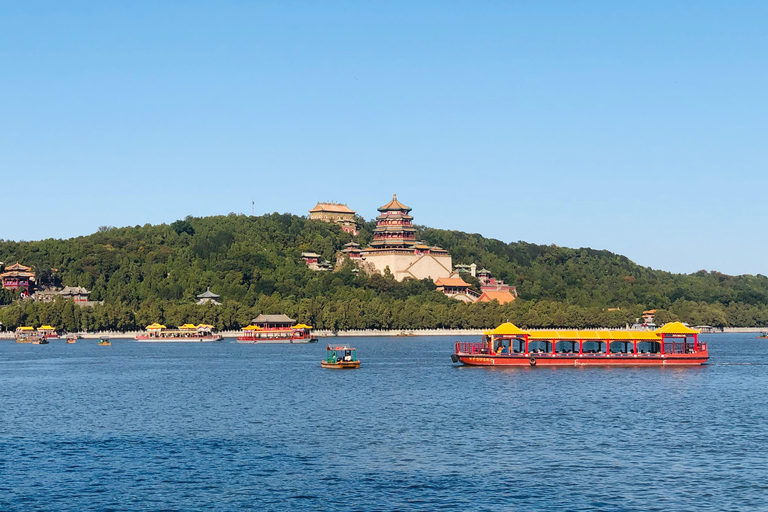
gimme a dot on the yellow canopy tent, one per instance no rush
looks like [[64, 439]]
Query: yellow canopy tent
[[508, 329], [675, 328]]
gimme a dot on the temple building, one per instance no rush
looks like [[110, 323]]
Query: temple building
[[18, 277], [337, 213], [314, 262], [394, 246], [208, 297], [456, 288]]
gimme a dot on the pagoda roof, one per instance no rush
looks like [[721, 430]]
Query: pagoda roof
[[483, 271], [352, 244], [455, 282], [208, 294], [394, 204], [396, 229], [74, 290], [18, 266], [17, 270], [395, 216], [309, 255], [273, 319], [332, 207]]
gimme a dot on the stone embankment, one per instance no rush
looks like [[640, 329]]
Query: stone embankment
[[9, 335]]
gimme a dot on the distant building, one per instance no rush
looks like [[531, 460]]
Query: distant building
[[208, 297], [78, 294], [18, 277], [314, 262], [394, 246], [456, 288], [490, 295], [337, 213]]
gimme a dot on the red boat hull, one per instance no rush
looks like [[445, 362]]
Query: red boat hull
[[582, 360]]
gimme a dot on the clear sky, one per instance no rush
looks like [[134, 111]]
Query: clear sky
[[637, 127]]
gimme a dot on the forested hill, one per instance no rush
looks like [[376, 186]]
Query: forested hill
[[152, 273]]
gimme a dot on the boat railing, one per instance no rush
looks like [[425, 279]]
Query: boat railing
[[470, 347]]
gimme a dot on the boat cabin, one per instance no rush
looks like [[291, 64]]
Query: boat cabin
[[343, 353]]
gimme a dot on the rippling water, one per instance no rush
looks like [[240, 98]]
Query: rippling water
[[226, 426]]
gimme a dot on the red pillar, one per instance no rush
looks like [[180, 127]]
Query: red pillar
[[581, 347], [662, 344], [695, 342], [525, 337]]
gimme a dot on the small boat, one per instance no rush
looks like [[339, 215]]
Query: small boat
[[41, 340], [72, 338], [763, 335], [340, 358], [104, 340]]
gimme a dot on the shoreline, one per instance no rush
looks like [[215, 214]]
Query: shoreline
[[324, 333]]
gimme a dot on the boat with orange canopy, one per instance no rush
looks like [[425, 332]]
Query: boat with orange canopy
[[674, 344]]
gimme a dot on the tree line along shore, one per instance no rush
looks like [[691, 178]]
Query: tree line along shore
[[147, 274]]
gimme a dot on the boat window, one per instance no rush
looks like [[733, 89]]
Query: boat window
[[594, 347]]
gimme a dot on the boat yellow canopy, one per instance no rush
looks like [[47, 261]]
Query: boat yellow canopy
[[26, 328], [252, 328], [155, 326], [301, 326], [508, 329], [46, 328], [188, 326], [676, 328], [574, 334]]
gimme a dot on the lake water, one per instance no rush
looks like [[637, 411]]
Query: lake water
[[224, 426]]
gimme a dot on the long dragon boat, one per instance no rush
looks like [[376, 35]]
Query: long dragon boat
[[507, 345]]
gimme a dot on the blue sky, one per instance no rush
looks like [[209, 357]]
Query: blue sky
[[626, 126]]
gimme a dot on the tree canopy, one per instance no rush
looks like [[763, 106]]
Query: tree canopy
[[152, 273]]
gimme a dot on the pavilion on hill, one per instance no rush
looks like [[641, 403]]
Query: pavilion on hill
[[208, 297], [18, 277]]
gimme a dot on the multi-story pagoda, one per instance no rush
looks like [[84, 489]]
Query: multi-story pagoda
[[394, 226], [395, 247], [17, 277]]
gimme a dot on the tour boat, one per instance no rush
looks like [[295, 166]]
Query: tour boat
[[184, 333], [340, 358], [507, 345], [276, 329], [48, 332], [28, 335], [104, 341]]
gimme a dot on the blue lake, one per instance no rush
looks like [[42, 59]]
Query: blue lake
[[224, 426]]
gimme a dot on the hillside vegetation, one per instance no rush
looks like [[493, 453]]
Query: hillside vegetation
[[152, 273]]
